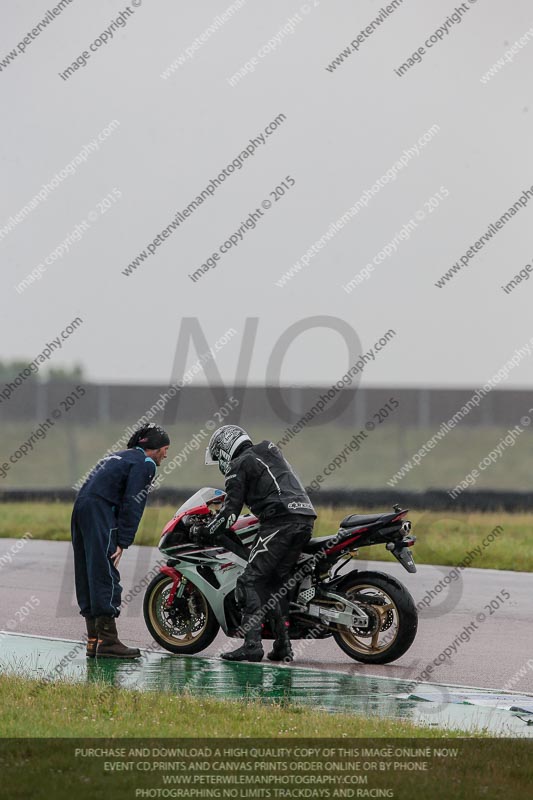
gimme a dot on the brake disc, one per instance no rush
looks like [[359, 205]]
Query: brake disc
[[386, 621], [374, 620], [178, 616]]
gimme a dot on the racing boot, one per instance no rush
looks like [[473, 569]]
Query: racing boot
[[282, 649], [109, 645], [251, 650], [91, 636]]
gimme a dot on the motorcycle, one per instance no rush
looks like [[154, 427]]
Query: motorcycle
[[370, 615]]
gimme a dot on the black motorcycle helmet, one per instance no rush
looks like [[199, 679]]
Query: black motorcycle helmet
[[224, 444]]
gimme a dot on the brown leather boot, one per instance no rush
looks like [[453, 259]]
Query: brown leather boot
[[91, 636], [109, 645]]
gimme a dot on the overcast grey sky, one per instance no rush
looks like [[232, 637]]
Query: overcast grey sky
[[166, 131]]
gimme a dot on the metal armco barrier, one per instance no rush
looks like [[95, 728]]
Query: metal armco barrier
[[121, 404], [430, 500]]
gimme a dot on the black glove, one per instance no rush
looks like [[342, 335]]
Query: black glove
[[200, 534]]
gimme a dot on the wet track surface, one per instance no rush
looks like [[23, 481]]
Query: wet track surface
[[498, 654], [51, 659]]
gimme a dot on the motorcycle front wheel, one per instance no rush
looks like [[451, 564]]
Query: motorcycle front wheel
[[188, 626], [393, 618]]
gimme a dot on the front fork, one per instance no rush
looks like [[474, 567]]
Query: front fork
[[179, 582]]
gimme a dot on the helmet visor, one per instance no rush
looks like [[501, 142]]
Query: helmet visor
[[208, 459]]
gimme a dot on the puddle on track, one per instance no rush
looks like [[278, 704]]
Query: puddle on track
[[449, 707]]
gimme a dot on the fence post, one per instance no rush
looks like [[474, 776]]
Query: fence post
[[41, 399], [424, 408], [104, 403]]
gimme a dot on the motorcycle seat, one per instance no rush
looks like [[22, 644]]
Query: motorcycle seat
[[318, 543], [360, 519]]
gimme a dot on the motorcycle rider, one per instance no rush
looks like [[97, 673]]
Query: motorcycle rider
[[105, 518], [259, 476]]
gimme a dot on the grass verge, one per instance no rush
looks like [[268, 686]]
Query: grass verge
[[44, 766], [43, 709], [74, 448], [504, 540]]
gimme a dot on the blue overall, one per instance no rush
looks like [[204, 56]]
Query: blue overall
[[107, 513]]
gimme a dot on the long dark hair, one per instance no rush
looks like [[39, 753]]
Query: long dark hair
[[149, 437]]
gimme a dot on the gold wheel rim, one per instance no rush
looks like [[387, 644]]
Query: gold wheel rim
[[358, 643], [156, 602]]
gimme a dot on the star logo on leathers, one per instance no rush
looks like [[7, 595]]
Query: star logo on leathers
[[261, 546]]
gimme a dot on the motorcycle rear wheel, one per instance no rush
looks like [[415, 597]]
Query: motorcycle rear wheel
[[188, 627], [395, 616]]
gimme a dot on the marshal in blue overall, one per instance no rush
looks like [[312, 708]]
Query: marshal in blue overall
[[105, 518]]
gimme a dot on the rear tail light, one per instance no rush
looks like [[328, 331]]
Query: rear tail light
[[399, 516]]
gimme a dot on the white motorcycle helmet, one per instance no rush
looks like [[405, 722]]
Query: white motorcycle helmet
[[223, 445]]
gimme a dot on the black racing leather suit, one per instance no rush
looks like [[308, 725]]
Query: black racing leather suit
[[262, 478]]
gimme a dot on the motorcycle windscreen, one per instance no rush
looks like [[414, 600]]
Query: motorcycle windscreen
[[201, 498]]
